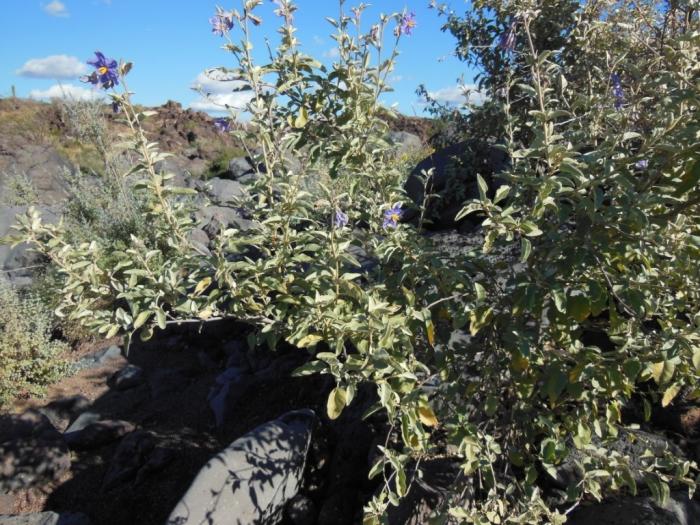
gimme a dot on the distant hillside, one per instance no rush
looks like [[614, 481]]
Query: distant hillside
[[36, 136]]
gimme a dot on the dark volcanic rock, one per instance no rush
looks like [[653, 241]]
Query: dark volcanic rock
[[454, 179], [136, 458], [630, 443], [128, 377], [100, 358], [62, 411], [254, 478], [301, 511], [679, 510], [32, 451], [90, 431], [405, 143]]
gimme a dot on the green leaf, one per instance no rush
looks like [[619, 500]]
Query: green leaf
[[469, 208], [662, 372], [696, 359], [670, 393], [480, 291], [309, 340], [483, 187], [578, 307], [629, 135], [401, 483], [307, 369], [659, 489], [525, 249], [376, 469], [501, 193], [202, 285], [336, 402], [554, 385], [142, 318], [583, 435], [559, 297], [302, 118], [632, 368], [530, 229], [479, 318], [527, 89], [160, 319], [647, 409], [548, 449], [427, 416], [690, 179], [627, 476]]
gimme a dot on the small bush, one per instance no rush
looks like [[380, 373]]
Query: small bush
[[219, 166], [29, 359]]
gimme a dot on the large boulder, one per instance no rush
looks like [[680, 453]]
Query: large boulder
[[89, 430], [678, 510], [32, 452], [405, 143], [242, 169], [254, 478], [41, 164], [136, 457], [182, 167], [212, 219], [635, 444], [453, 179], [18, 263], [224, 191]]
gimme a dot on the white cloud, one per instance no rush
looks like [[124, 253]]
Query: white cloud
[[332, 53], [318, 40], [54, 66], [458, 95], [67, 91], [215, 82], [56, 8], [236, 101], [220, 92]]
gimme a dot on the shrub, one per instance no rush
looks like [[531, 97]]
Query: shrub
[[29, 359], [600, 207]]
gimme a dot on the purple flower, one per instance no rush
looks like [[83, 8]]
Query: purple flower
[[116, 107], [406, 24], [641, 164], [106, 73], [506, 41], [222, 125], [618, 92], [392, 216], [341, 219], [221, 22]]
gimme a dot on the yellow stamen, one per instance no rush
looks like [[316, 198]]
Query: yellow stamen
[[395, 217], [103, 70]]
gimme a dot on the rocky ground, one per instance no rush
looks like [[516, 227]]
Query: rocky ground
[[123, 439], [195, 423]]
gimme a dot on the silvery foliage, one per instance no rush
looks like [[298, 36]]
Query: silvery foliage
[[604, 248]]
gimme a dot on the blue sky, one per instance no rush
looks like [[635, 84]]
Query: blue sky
[[43, 43]]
